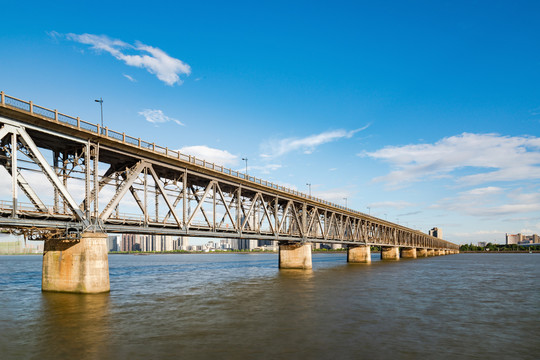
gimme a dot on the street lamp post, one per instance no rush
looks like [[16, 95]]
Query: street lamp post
[[100, 101], [245, 159], [345, 201], [309, 184], [369, 210]]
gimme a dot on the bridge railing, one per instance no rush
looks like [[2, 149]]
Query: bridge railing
[[54, 115]]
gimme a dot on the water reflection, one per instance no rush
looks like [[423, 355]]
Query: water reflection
[[74, 325]]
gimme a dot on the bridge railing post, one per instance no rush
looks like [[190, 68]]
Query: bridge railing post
[[3, 97], [31, 107], [55, 115]]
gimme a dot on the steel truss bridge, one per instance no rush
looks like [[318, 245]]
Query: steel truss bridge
[[68, 176]]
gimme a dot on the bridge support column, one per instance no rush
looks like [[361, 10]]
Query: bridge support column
[[408, 253], [76, 267], [390, 252], [421, 252], [294, 255], [359, 254], [440, 252], [430, 252]]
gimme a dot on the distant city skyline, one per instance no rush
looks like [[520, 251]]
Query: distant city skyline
[[423, 114]]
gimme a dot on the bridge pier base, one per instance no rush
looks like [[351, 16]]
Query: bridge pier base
[[359, 254], [430, 252], [390, 253], [294, 255], [76, 266], [408, 253], [421, 252], [439, 252]]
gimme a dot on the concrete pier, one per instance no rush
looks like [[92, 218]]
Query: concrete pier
[[390, 252], [408, 253], [421, 252], [294, 255], [359, 254], [76, 266], [440, 252], [430, 252]]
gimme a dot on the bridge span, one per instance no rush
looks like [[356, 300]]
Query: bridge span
[[72, 182]]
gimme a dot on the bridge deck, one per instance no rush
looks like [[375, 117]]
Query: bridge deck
[[175, 193]]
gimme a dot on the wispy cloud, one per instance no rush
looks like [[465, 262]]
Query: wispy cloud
[[129, 77], [157, 117], [154, 60], [272, 149], [217, 156], [492, 157], [492, 202]]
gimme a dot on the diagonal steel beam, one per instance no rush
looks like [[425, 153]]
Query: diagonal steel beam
[[284, 216], [162, 191], [246, 217], [30, 193], [226, 207], [128, 182], [4, 131], [50, 174], [200, 203], [267, 216]]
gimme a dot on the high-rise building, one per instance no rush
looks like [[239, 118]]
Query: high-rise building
[[513, 239], [522, 239], [436, 232], [128, 241], [112, 243]]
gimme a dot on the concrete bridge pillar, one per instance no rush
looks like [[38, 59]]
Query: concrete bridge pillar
[[430, 252], [440, 252], [76, 266], [294, 255], [421, 252], [408, 253], [359, 254], [390, 253]]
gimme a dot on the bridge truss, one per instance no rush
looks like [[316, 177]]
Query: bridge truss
[[96, 179]]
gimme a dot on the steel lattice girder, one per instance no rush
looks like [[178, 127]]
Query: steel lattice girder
[[250, 210]]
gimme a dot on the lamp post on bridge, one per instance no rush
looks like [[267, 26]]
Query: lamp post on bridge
[[345, 201], [245, 159], [369, 210], [309, 185], [100, 101]]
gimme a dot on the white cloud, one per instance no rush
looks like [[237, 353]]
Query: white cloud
[[217, 156], [129, 77], [492, 202], [154, 60], [493, 158], [307, 145], [157, 117]]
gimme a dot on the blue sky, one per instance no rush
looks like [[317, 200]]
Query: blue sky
[[422, 112]]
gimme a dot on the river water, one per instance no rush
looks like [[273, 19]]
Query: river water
[[241, 306]]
